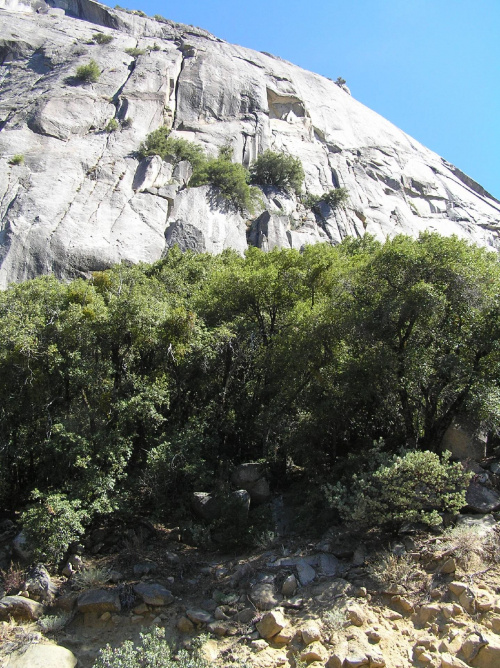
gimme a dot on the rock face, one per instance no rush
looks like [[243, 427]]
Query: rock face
[[81, 200]]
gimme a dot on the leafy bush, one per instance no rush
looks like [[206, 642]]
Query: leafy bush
[[412, 487], [17, 159], [89, 73], [135, 51], [160, 143], [52, 524], [102, 38], [112, 125], [152, 651], [126, 122], [230, 178], [334, 198], [277, 169]]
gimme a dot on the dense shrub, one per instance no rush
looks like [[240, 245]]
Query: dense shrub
[[135, 51], [89, 73], [335, 198], [160, 143], [52, 524], [413, 487], [277, 169], [230, 178], [152, 651], [102, 38]]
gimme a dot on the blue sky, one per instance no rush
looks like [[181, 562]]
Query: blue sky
[[432, 67]]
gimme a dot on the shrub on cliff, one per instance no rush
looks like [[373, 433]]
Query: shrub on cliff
[[230, 178], [160, 143], [89, 73], [277, 169]]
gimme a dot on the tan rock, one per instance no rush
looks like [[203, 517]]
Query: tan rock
[[99, 600], [488, 656], [495, 624], [105, 617], [314, 652], [425, 657], [428, 612], [141, 609], [284, 637], [467, 600], [484, 601], [403, 604], [373, 635], [450, 661], [356, 615], [457, 587], [310, 633], [452, 610], [392, 615], [448, 566], [218, 628], [472, 645], [376, 660], [20, 607], [42, 656], [185, 625], [259, 645], [271, 624], [427, 642]]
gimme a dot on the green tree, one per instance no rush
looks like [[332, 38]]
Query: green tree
[[277, 169]]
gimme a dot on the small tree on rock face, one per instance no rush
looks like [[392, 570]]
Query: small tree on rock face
[[277, 169], [89, 73]]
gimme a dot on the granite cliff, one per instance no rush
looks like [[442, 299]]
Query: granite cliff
[[79, 199]]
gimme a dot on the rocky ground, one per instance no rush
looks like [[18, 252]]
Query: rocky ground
[[416, 600]]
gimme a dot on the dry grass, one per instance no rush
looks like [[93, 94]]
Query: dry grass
[[389, 570], [95, 576], [471, 547]]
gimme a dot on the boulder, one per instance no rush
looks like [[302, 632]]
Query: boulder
[[481, 499], [271, 624], [310, 633], [42, 656], [153, 594], [199, 616], [263, 596], [251, 477], [145, 568], [99, 601], [39, 585], [210, 507], [465, 440], [314, 652], [305, 572], [289, 586], [20, 607]]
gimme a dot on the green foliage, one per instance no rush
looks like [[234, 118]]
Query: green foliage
[[335, 198], [135, 51], [412, 487], [230, 178], [126, 122], [340, 81], [17, 159], [277, 169], [88, 73], [135, 388], [112, 125], [152, 651], [156, 47], [160, 143], [52, 524], [102, 38]]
